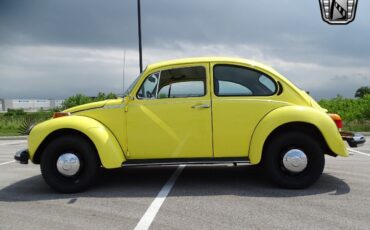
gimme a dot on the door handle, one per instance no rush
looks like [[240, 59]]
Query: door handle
[[200, 106]]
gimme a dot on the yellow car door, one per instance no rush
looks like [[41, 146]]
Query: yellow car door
[[170, 114], [241, 97]]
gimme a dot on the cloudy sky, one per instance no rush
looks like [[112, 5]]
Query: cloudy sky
[[54, 49]]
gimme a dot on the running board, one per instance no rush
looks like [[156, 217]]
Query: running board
[[186, 161]]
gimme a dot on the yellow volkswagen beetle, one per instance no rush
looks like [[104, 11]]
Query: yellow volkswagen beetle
[[198, 110]]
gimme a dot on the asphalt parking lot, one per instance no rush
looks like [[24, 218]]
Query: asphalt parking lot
[[202, 197]]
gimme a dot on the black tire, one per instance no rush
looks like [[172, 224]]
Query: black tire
[[273, 160], [87, 155]]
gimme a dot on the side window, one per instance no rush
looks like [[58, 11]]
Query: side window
[[232, 80], [182, 89], [228, 88], [182, 82], [175, 83], [148, 89], [266, 81], [187, 89]]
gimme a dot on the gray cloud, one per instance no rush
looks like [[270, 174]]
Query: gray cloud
[[63, 36]]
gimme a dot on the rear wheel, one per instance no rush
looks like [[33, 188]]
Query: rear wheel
[[294, 160], [69, 164]]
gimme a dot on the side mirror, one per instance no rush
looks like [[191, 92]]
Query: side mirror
[[152, 79]]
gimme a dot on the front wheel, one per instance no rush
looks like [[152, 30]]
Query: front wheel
[[69, 164], [294, 160]]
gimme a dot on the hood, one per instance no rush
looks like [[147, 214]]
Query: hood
[[93, 105]]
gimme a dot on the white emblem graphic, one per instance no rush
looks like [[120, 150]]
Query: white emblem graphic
[[338, 11]]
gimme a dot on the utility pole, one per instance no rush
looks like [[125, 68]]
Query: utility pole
[[139, 33]]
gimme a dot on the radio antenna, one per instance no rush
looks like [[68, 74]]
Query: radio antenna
[[123, 73]]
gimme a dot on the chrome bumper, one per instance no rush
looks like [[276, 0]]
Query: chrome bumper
[[353, 139], [22, 156]]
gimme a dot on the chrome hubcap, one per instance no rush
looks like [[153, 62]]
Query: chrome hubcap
[[68, 164], [295, 160]]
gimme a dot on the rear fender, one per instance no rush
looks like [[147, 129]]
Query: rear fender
[[288, 114]]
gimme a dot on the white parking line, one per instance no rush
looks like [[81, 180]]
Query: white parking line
[[154, 207], [13, 143], [355, 151], [8, 162]]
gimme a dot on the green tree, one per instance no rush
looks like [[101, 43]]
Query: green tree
[[75, 100], [80, 99], [362, 91], [366, 98], [111, 96], [349, 109], [15, 112], [100, 97]]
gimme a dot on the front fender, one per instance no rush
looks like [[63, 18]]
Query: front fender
[[109, 150], [288, 114]]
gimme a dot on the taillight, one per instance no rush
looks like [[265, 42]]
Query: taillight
[[60, 114], [337, 120]]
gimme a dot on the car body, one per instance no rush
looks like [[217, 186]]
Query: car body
[[196, 110]]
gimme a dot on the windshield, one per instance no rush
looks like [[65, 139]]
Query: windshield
[[129, 89]]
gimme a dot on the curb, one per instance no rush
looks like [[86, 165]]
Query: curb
[[13, 138]]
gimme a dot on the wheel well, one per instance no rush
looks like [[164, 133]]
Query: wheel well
[[58, 133], [303, 127]]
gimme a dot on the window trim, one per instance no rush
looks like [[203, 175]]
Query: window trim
[[142, 83], [160, 73], [242, 67]]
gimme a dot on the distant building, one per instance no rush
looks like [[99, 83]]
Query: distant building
[[56, 103], [29, 105], [2, 105]]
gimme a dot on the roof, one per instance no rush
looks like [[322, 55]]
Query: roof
[[208, 59]]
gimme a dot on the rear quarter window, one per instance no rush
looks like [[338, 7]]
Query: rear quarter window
[[232, 80]]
